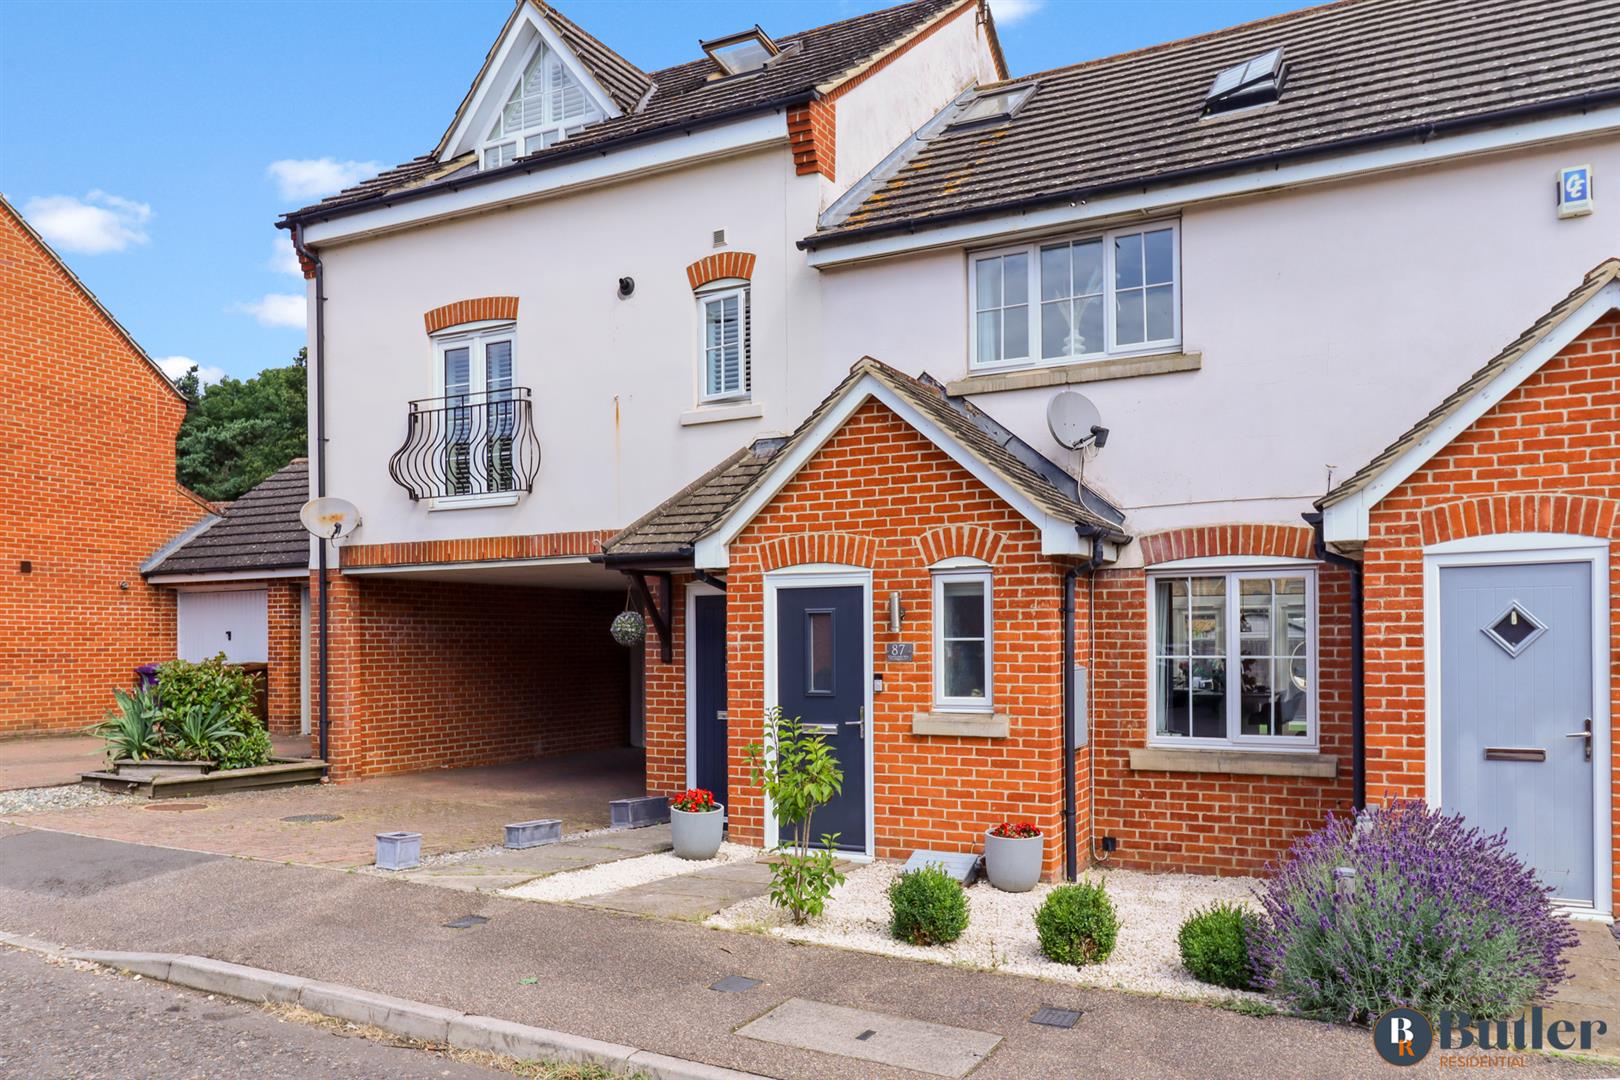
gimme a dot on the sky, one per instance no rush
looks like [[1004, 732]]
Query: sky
[[154, 144]]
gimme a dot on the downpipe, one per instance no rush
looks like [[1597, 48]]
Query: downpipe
[[323, 681], [1358, 660], [1071, 725]]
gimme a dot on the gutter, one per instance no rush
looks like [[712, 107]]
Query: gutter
[[324, 665], [1419, 132], [296, 218], [1358, 661]]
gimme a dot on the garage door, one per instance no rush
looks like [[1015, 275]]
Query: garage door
[[233, 623]]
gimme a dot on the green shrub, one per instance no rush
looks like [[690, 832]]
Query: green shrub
[[200, 733], [134, 729], [184, 684], [246, 752], [798, 772], [1215, 945], [1077, 924], [927, 907]]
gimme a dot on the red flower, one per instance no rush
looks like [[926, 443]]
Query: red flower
[[694, 801], [1023, 830]]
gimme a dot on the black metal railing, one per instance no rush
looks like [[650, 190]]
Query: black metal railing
[[468, 444]]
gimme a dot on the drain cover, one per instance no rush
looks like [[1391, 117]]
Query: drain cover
[[735, 984], [1058, 1018], [467, 921], [867, 1034], [310, 819], [177, 807]]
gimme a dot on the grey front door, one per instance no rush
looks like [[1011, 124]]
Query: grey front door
[[1515, 702]]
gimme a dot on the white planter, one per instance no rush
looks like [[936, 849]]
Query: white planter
[[697, 836], [1013, 863]]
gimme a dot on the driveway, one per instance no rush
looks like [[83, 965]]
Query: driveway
[[336, 824], [47, 760]]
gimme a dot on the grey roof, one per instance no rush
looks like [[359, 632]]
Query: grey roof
[[259, 531], [682, 96], [1357, 72], [1601, 275], [673, 528]]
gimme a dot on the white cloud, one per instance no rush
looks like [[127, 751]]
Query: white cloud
[[176, 366], [283, 259], [276, 309], [1008, 12], [310, 178], [97, 223]]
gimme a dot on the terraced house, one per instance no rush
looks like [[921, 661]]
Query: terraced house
[[784, 345]]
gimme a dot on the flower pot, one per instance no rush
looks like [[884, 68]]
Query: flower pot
[[697, 836], [1013, 863], [153, 769]]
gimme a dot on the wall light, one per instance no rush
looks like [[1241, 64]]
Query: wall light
[[896, 613]]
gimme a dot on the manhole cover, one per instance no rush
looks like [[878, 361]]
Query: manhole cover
[[1058, 1018], [467, 921], [735, 984], [310, 819], [177, 807]]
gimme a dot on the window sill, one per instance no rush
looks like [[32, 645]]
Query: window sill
[[1081, 371], [977, 725], [714, 414], [1312, 765], [473, 502]]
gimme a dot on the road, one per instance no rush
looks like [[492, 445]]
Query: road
[[58, 1020]]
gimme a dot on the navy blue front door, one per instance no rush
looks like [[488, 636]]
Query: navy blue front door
[[821, 679], [709, 694]]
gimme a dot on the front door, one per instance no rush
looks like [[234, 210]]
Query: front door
[[709, 694], [1516, 706], [821, 679]]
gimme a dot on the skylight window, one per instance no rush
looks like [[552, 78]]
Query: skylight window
[[1253, 82], [737, 53], [993, 105]]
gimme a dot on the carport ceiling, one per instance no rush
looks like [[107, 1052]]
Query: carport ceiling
[[538, 575]]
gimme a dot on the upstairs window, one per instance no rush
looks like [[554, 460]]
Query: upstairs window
[[480, 410], [1088, 298], [724, 329], [546, 106]]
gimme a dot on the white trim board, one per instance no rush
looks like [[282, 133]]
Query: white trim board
[[1171, 197], [1350, 520], [823, 575], [694, 589], [712, 551], [182, 580], [1513, 549]]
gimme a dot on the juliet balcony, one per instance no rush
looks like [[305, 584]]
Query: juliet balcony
[[469, 445]]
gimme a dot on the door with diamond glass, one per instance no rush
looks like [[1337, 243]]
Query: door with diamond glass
[[1516, 712]]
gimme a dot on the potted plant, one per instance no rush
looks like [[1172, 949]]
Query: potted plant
[[696, 824], [1012, 856]]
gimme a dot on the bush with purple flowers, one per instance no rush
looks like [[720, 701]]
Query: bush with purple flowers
[[1407, 906]]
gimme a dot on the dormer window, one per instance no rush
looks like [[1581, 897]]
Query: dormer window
[[546, 106], [991, 106], [1253, 82], [738, 53]]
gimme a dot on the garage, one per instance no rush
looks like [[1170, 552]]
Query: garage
[[235, 623]]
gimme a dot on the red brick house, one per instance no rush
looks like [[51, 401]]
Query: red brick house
[[87, 492]]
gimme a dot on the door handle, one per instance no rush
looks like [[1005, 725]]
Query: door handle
[[1586, 734], [860, 723]]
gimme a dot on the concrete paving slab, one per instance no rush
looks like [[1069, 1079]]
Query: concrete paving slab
[[937, 1049], [1593, 989], [48, 761], [654, 901]]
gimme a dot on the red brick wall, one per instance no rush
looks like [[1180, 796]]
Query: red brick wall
[[87, 494], [286, 656], [1546, 458], [813, 137], [430, 674], [665, 701], [878, 495]]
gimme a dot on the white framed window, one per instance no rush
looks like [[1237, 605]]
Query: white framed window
[[725, 345], [479, 413], [1116, 293], [546, 105], [963, 639], [1233, 657]]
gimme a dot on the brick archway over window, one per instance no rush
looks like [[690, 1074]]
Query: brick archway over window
[[1533, 512], [849, 549], [1209, 541], [959, 541], [482, 309], [724, 264]]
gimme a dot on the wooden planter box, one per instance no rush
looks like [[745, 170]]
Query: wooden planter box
[[151, 769], [281, 772]]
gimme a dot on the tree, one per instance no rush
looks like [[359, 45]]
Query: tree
[[237, 432]]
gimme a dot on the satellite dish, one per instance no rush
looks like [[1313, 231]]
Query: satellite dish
[[1074, 421], [330, 518]]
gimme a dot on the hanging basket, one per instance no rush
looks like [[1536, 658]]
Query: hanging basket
[[629, 629]]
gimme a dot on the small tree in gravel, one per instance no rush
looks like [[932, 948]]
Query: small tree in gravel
[[797, 771]]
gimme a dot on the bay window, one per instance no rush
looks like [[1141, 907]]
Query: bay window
[[1234, 658], [962, 639], [1115, 293]]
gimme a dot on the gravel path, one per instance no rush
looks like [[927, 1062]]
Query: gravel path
[[1001, 928], [25, 800], [623, 874]]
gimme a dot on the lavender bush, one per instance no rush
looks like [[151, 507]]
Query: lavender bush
[[1436, 916]]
